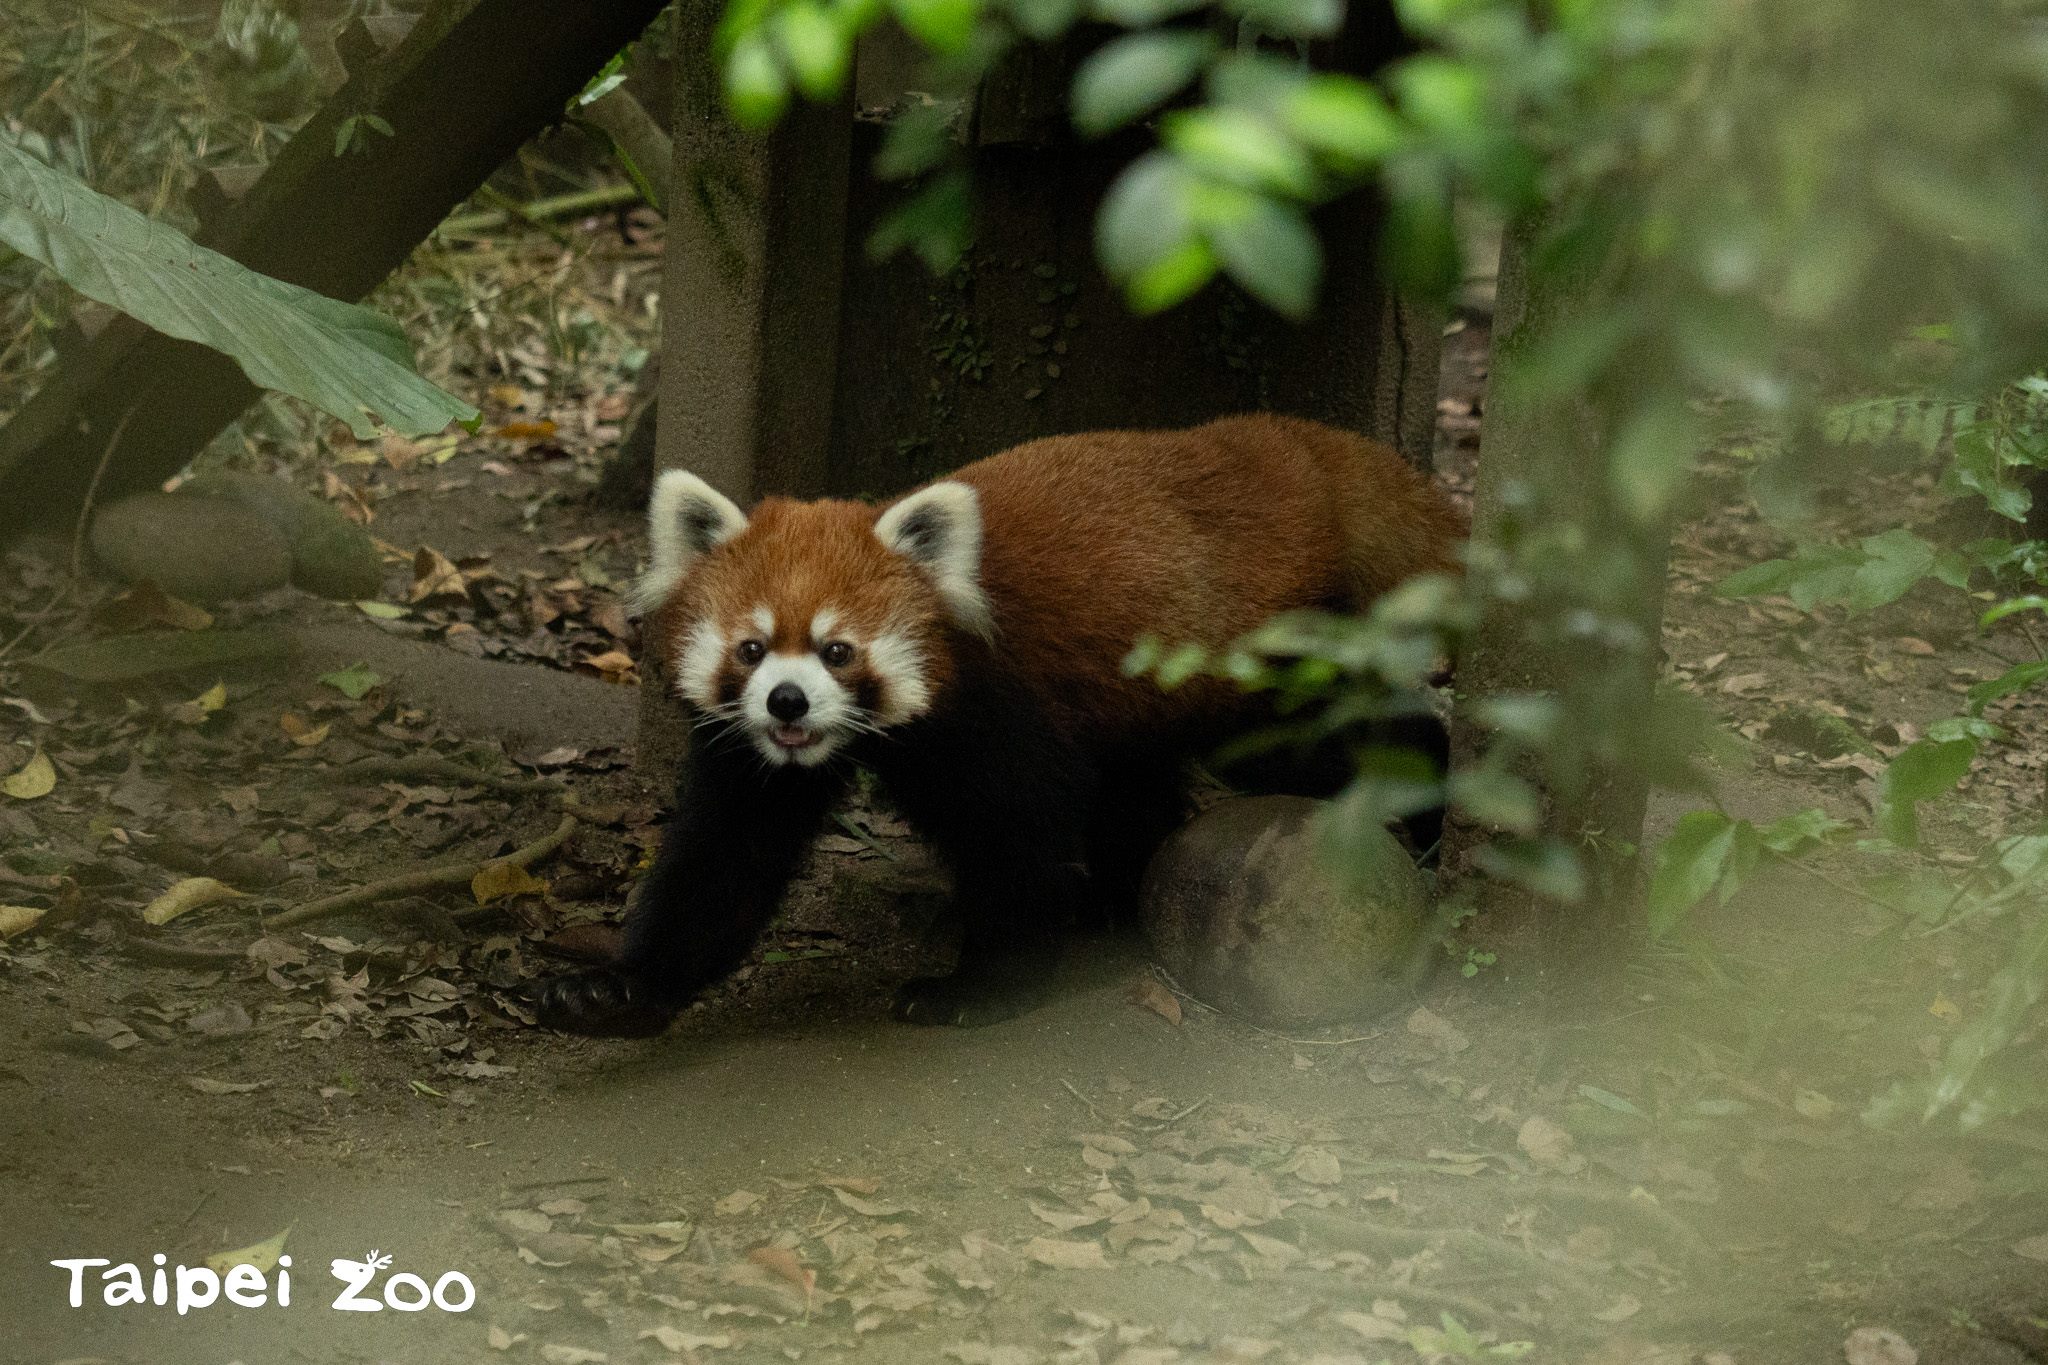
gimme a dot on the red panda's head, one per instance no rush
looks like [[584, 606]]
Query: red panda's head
[[809, 623]]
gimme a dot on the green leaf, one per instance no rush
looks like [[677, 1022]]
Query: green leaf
[[1239, 148], [1131, 76], [1044, 20], [1497, 799], [1343, 118], [1793, 833], [1271, 250], [1544, 866], [818, 50], [1758, 580], [2012, 607], [934, 224], [1299, 19], [1897, 560], [1144, 231], [918, 139], [1607, 1099], [347, 361], [1142, 13], [1689, 862], [1652, 455], [353, 682], [1922, 771], [754, 88], [2018, 678], [944, 26], [381, 611]]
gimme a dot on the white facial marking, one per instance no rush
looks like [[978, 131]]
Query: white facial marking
[[686, 519], [831, 707], [697, 663], [939, 530], [823, 624], [764, 621], [899, 663]]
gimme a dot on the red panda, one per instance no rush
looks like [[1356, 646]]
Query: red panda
[[964, 643]]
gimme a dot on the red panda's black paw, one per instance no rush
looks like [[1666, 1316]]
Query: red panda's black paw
[[956, 1002], [606, 1003]]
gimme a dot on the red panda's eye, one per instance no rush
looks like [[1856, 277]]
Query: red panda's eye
[[838, 654], [752, 651]]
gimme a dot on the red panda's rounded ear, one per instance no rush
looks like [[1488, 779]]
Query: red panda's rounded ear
[[686, 519], [939, 530]]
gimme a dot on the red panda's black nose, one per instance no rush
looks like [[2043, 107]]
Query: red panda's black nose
[[787, 703]]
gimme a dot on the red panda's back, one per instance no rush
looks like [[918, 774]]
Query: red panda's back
[[1094, 540]]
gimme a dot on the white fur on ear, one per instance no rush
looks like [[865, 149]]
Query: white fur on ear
[[686, 519], [939, 530]]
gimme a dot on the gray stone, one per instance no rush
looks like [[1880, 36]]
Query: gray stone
[[1246, 913], [199, 549]]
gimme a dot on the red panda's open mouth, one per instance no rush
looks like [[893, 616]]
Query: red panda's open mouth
[[794, 736]]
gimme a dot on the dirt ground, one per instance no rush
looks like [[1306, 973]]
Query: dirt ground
[[1666, 1167]]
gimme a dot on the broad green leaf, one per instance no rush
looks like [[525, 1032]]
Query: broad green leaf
[[1239, 148], [1544, 866], [1270, 249], [2012, 607], [2018, 678], [941, 25], [1651, 456], [1897, 560], [1794, 832], [1689, 862], [1758, 580], [1144, 228], [934, 224], [353, 682], [1964, 727], [345, 360], [1343, 118], [1141, 13], [1131, 76], [1043, 20], [754, 88], [918, 139], [1497, 799], [1922, 771], [818, 50], [1291, 18]]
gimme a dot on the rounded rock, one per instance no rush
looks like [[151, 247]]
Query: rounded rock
[[198, 549], [1245, 912], [331, 556]]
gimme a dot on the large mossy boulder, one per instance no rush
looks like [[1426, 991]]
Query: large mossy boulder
[[1245, 911], [198, 549], [230, 535]]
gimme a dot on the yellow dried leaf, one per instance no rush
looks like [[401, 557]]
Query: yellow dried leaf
[[1158, 999], [303, 732], [1944, 1008], [18, 919], [189, 894], [263, 1255], [496, 881], [435, 575], [36, 778]]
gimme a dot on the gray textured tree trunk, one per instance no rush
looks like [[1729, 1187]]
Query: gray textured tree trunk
[[1542, 466]]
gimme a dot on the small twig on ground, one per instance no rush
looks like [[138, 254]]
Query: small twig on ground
[[77, 542], [1187, 1111], [1086, 1103], [432, 768], [444, 878]]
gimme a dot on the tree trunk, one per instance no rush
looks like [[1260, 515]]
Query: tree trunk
[[1543, 472]]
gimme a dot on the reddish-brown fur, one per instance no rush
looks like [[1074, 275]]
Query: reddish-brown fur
[[1093, 540]]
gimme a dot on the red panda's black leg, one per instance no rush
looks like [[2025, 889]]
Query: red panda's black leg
[[1006, 803], [735, 840]]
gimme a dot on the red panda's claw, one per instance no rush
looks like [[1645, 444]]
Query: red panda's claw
[[605, 1003], [954, 1002]]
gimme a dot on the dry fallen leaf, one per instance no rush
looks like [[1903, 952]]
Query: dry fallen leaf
[[1548, 1145], [2033, 1249], [189, 894], [1158, 999], [435, 575], [873, 1208], [527, 431], [682, 1343], [738, 1202], [1065, 1255], [1878, 1346], [195, 711], [37, 778], [785, 1263], [301, 731], [19, 919], [495, 881], [263, 1255]]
